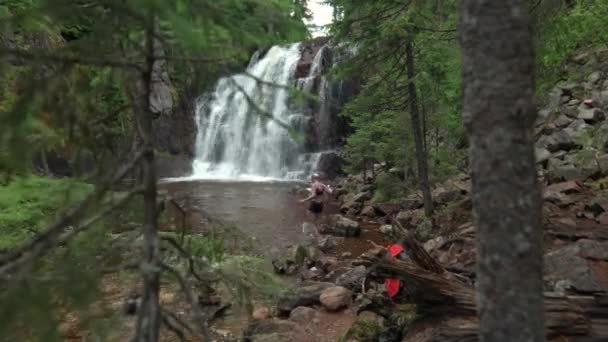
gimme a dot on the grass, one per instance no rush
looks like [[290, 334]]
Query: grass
[[29, 203]]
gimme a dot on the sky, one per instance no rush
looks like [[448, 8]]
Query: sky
[[322, 14]]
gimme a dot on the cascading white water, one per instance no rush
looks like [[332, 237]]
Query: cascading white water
[[236, 138], [316, 68]]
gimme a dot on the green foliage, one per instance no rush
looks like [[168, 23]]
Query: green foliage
[[379, 114], [389, 187], [363, 331], [65, 281], [566, 32], [69, 76], [207, 248], [248, 276], [73, 92], [27, 204]]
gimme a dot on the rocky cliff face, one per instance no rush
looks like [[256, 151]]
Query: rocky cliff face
[[572, 131], [325, 131]]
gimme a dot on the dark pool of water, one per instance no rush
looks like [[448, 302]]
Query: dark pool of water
[[269, 212]]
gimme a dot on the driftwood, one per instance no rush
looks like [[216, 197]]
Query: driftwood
[[447, 304]]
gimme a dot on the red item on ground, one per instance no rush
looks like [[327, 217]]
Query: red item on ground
[[392, 285], [395, 250]]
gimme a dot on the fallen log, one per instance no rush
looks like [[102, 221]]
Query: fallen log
[[447, 305], [416, 251]]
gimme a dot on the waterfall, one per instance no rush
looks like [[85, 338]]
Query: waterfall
[[308, 83], [237, 139]]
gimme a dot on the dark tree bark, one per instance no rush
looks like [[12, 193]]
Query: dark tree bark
[[421, 161], [425, 129], [149, 318], [499, 112]]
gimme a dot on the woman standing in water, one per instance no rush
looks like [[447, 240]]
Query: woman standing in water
[[318, 190]]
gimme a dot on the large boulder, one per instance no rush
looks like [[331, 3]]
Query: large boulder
[[335, 298], [363, 196], [443, 195], [410, 217], [326, 262], [562, 121], [291, 261], [306, 295], [261, 313], [559, 193], [589, 114], [559, 140], [384, 209], [368, 212], [351, 207], [568, 169], [328, 243], [342, 226], [578, 267], [353, 278], [303, 315], [412, 203], [330, 164], [542, 155]]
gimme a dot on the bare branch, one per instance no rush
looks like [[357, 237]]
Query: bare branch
[[177, 320], [173, 328]]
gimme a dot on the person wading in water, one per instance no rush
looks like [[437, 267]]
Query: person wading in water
[[318, 192]]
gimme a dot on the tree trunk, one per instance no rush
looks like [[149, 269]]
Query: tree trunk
[[424, 130], [423, 175], [149, 318], [45, 163], [437, 146], [499, 112]]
